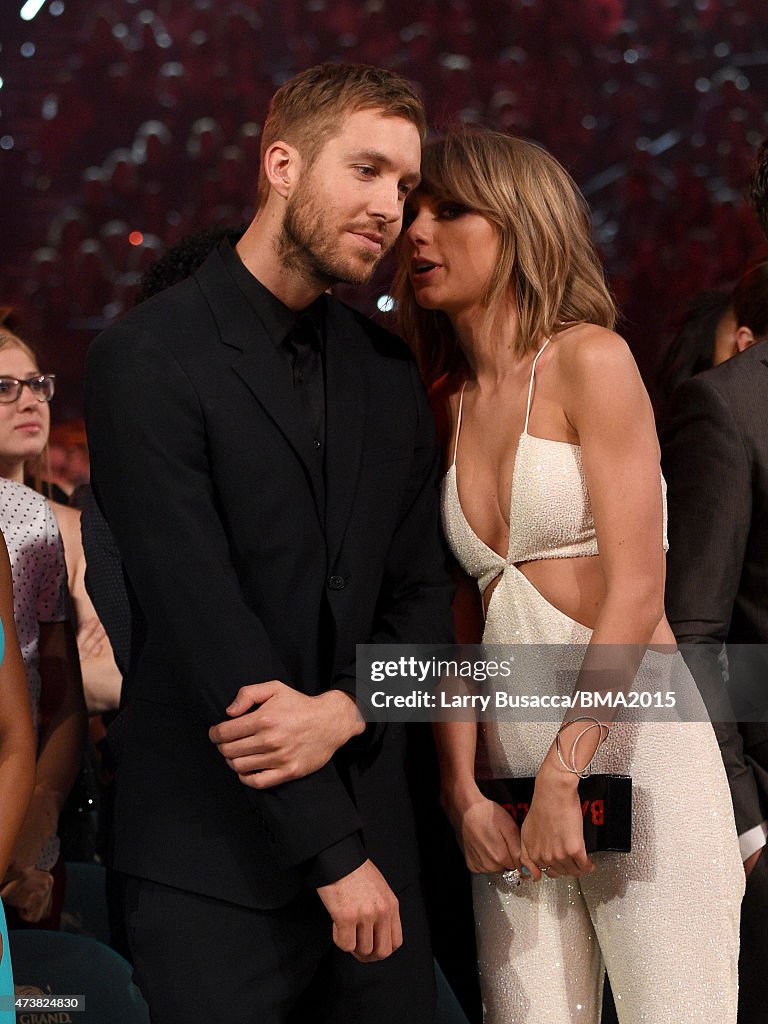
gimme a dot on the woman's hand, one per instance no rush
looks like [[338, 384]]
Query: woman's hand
[[487, 834], [553, 831], [30, 891]]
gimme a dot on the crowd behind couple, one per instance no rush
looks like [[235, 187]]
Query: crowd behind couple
[[266, 460]]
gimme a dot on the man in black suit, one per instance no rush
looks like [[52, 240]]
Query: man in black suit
[[715, 459], [265, 458]]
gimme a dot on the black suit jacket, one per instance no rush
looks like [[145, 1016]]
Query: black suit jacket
[[715, 459], [245, 564]]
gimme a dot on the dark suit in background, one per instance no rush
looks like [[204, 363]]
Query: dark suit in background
[[251, 557], [715, 460]]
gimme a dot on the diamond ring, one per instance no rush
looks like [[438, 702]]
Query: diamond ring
[[512, 878]]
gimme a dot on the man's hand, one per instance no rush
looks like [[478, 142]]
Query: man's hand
[[749, 863], [287, 736], [365, 914]]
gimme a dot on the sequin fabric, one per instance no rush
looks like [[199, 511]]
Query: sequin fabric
[[550, 512], [663, 919]]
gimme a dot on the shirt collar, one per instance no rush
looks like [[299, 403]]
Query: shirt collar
[[277, 319]]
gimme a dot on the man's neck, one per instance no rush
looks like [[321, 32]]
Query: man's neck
[[258, 252]]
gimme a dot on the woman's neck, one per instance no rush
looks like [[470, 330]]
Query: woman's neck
[[12, 469], [488, 344]]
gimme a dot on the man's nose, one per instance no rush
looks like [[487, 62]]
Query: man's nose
[[385, 204]]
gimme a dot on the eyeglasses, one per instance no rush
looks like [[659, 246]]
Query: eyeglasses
[[41, 387]]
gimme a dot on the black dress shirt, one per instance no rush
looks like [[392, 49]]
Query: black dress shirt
[[299, 335]]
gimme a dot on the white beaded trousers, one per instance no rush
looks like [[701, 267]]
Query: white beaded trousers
[[664, 918]]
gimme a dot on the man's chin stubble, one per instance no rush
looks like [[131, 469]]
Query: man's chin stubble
[[317, 272]]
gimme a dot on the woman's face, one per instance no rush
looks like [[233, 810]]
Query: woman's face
[[451, 253], [24, 424]]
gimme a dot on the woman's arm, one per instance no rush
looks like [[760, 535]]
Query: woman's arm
[[488, 836], [612, 415], [17, 740], [609, 408], [102, 679], [61, 740]]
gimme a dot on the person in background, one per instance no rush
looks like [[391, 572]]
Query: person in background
[[696, 344], [24, 432], [758, 186], [715, 458], [67, 459]]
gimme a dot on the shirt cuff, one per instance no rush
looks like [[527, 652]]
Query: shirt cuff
[[335, 862], [753, 839]]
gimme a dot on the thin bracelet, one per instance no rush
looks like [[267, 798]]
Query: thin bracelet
[[583, 773]]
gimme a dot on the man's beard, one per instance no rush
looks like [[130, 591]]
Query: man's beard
[[305, 245]]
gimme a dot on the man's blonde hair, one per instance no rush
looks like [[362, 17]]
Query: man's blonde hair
[[547, 261], [311, 108]]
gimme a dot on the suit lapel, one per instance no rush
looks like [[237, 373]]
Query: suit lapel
[[258, 363], [345, 421]]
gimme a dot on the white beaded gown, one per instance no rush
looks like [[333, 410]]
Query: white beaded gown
[[664, 918]]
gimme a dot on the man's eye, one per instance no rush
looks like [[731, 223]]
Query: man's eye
[[367, 172]]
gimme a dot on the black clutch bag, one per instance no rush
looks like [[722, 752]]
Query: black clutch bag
[[606, 806]]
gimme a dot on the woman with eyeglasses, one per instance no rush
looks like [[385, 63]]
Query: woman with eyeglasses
[[24, 431], [32, 887]]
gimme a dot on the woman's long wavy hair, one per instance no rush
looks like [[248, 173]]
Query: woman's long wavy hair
[[547, 262]]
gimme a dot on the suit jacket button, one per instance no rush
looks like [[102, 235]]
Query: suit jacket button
[[336, 583]]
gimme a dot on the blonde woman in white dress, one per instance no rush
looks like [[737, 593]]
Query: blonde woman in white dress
[[554, 501]]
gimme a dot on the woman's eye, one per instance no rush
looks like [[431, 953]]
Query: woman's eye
[[409, 216], [450, 211]]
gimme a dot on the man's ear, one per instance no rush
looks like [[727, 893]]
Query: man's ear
[[282, 165], [744, 338]]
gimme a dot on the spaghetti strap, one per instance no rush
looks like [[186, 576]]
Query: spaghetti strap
[[530, 386], [458, 423]]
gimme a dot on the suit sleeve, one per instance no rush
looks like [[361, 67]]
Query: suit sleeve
[[153, 481], [414, 604], [710, 503], [709, 493]]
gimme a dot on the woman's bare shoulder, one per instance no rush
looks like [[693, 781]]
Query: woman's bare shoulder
[[68, 520], [592, 355], [66, 516]]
